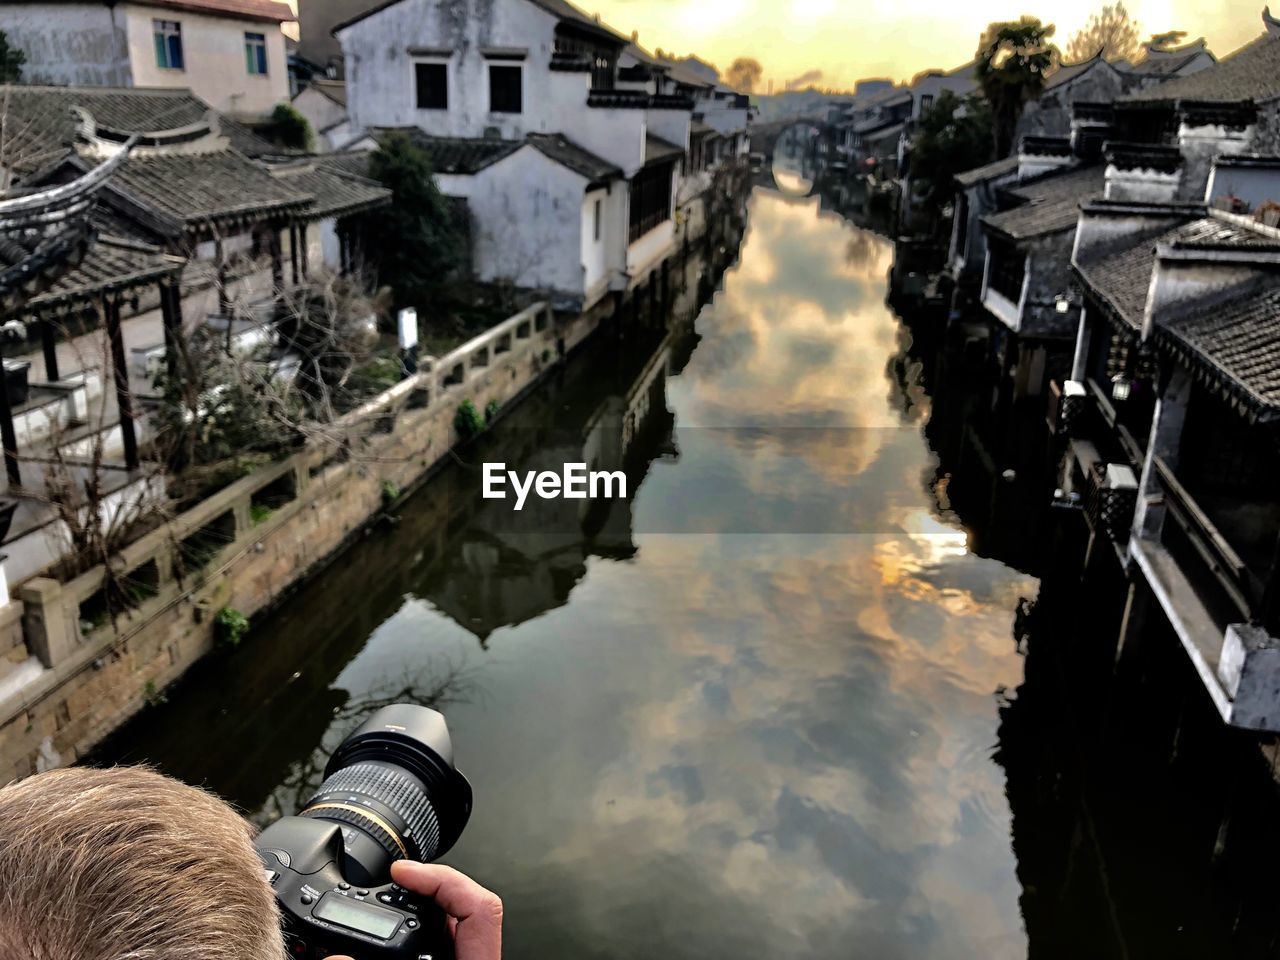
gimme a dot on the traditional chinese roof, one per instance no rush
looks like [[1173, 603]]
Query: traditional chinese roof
[[194, 191], [109, 265], [699, 129], [352, 162], [1050, 204], [1251, 73], [44, 126], [461, 155], [1232, 343], [682, 73], [1168, 63], [1119, 273], [335, 193], [568, 154], [45, 232], [988, 171], [1070, 72], [657, 150]]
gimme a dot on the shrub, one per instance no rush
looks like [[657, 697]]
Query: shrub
[[468, 421], [231, 625]]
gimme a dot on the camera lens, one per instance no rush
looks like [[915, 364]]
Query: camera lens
[[393, 786]]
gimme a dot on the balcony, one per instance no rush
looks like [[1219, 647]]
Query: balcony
[[1224, 613]]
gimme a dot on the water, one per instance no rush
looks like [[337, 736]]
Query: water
[[753, 711]]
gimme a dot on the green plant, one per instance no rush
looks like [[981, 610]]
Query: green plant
[[1013, 62], [292, 128], [491, 411], [11, 60], [260, 513], [390, 492], [153, 695], [468, 421], [230, 625], [415, 244]]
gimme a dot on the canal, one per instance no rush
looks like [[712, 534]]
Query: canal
[[767, 706]]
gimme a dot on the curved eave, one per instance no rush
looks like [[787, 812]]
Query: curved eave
[[1253, 408]]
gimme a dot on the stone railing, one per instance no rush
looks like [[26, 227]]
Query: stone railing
[[241, 547]]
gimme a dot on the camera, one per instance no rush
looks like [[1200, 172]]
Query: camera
[[390, 792]]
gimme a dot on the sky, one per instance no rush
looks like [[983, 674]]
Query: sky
[[836, 42]]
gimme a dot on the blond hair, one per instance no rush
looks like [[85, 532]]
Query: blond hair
[[126, 864]]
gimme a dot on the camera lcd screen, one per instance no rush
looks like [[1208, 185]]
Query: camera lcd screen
[[363, 917]]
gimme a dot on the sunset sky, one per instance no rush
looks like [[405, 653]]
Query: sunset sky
[[848, 40]]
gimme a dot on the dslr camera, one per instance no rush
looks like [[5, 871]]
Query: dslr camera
[[390, 792]]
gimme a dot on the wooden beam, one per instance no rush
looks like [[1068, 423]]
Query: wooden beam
[[50, 348], [8, 436], [120, 373]]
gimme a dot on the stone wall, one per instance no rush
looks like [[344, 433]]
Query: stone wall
[[93, 679]]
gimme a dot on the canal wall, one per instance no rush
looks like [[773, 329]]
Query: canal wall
[[68, 681]]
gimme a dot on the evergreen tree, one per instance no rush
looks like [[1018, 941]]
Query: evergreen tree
[[11, 61], [1014, 60], [413, 245]]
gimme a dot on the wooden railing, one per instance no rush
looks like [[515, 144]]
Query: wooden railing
[[1220, 558]]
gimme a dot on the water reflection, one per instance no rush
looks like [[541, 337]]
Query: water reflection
[[756, 738]]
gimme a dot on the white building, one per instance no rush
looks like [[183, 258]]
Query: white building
[[569, 167], [230, 53], [324, 104]]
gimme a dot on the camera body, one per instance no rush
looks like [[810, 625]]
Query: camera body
[[325, 915], [390, 792]]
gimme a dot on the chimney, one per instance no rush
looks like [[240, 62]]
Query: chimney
[[1142, 172]]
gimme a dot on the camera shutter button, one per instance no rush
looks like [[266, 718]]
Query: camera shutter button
[[307, 900]]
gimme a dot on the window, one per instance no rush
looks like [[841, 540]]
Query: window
[[596, 222], [925, 103], [433, 85], [255, 54], [650, 200], [505, 95], [168, 37]]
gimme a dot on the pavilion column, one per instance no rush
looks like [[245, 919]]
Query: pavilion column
[[171, 315], [120, 373], [8, 435], [293, 250], [224, 296], [50, 348], [302, 252]]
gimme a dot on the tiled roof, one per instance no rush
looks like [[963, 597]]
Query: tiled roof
[[1069, 72], [682, 73], [353, 162], [566, 11], [267, 10], [1251, 73], [47, 125], [1052, 203], [1164, 66], [454, 154], [1120, 274], [110, 264], [657, 150], [560, 9], [335, 90], [192, 188], [1234, 343], [336, 194], [568, 154], [989, 171]]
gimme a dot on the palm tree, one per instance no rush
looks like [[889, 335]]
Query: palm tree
[[1014, 60]]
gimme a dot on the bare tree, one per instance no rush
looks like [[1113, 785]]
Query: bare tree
[[28, 136], [99, 506], [1110, 31]]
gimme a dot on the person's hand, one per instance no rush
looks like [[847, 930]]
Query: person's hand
[[475, 914]]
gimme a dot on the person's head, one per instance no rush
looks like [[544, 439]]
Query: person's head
[[126, 864]]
